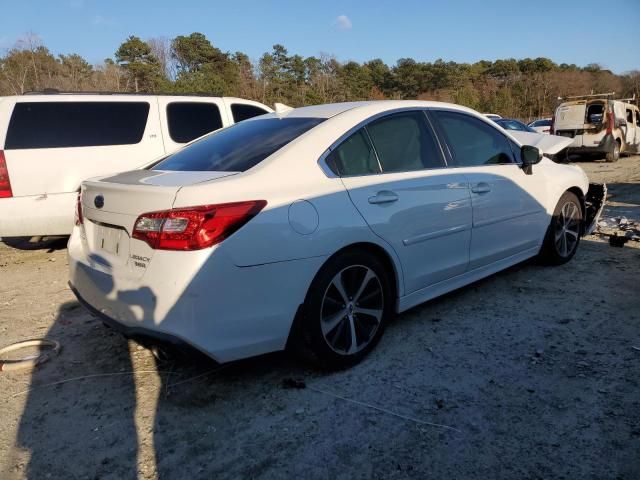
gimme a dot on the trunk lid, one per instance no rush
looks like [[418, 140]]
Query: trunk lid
[[111, 206]]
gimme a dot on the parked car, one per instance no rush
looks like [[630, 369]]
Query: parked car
[[542, 125], [50, 143], [513, 124], [599, 125], [313, 227]]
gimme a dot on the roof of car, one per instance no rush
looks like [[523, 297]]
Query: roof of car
[[372, 107]]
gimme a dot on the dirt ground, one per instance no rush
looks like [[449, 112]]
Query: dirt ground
[[532, 373]]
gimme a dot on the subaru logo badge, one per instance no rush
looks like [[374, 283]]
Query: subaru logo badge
[[98, 201]]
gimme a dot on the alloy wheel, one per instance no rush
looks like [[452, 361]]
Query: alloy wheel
[[567, 229], [352, 309]]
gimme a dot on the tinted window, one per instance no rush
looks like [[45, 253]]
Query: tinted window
[[190, 120], [76, 124], [629, 116], [239, 147], [354, 156], [242, 111], [638, 118], [404, 142], [472, 142]]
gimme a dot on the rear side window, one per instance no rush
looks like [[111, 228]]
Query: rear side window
[[472, 142], [190, 120], [239, 147], [638, 118], [354, 156], [241, 111], [76, 124], [404, 142]]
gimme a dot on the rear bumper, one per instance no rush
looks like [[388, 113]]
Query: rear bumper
[[144, 335], [604, 146], [196, 298], [37, 215]]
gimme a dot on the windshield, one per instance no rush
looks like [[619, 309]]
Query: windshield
[[239, 147]]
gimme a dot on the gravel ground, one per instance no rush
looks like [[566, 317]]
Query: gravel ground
[[532, 373]]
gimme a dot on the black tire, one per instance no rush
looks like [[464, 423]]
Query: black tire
[[322, 308], [615, 154], [560, 244]]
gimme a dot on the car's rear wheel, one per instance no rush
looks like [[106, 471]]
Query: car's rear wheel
[[346, 309], [614, 155], [563, 235]]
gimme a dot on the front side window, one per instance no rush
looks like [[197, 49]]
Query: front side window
[[190, 120], [242, 111], [76, 124], [354, 156], [630, 116], [473, 142], [404, 142], [239, 147]]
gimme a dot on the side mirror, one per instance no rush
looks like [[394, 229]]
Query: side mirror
[[530, 156]]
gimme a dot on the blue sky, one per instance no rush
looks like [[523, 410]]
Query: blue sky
[[571, 31]]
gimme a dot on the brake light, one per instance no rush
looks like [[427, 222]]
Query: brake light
[[194, 228], [5, 183], [79, 216], [610, 122]]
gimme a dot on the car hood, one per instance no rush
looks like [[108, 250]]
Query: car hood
[[549, 144]]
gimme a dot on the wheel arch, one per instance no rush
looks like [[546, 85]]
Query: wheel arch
[[383, 255]]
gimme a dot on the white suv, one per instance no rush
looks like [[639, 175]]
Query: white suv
[[50, 143]]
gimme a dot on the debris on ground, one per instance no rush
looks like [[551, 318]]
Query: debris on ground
[[619, 230]]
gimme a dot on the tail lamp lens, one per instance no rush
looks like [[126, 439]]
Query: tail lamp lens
[[5, 184], [194, 228]]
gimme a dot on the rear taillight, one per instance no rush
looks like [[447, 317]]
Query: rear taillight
[[5, 184], [194, 228], [610, 122], [79, 217]]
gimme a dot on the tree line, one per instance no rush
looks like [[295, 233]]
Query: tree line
[[526, 88]]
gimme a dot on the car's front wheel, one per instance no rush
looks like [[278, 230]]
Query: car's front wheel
[[347, 306], [563, 235]]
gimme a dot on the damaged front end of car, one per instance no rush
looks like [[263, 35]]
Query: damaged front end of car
[[593, 205]]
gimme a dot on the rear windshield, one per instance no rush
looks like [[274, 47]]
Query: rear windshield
[[76, 124], [239, 147]]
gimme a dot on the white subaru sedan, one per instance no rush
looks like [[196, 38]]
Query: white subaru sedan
[[312, 227]]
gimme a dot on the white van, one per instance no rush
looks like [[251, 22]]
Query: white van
[[599, 125], [50, 143]]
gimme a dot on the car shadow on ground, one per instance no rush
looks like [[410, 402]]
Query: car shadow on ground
[[36, 243], [510, 364]]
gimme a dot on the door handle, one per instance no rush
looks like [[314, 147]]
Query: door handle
[[385, 196], [481, 187]]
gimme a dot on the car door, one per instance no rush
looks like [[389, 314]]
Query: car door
[[508, 213], [394, 172]]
